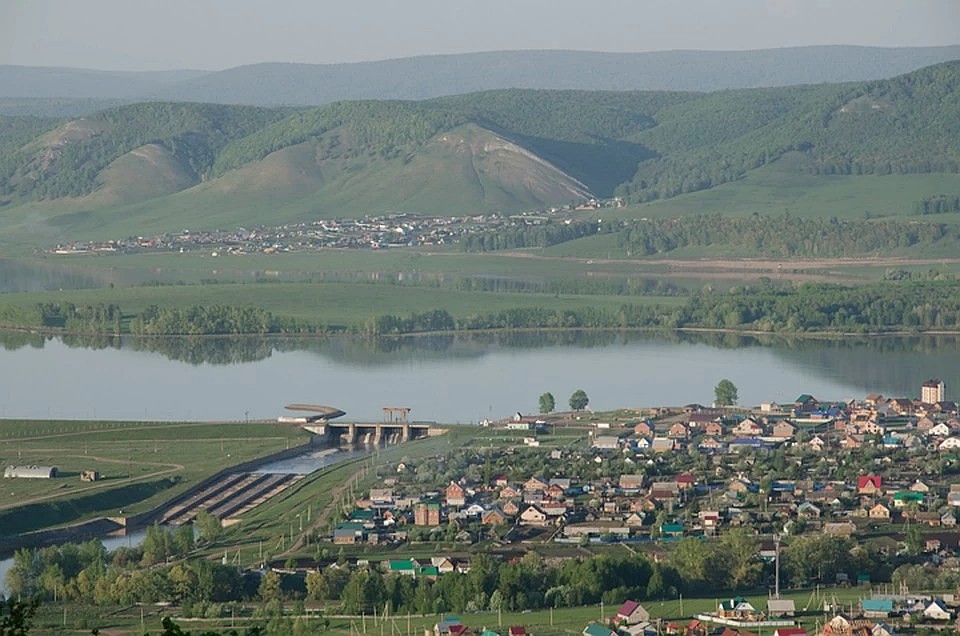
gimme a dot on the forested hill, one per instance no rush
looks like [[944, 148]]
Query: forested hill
[[434, 76], [503, 150]]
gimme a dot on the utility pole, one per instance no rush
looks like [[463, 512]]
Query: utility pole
[[776, 576]]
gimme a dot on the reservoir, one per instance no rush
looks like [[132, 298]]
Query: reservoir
[[450, 378]]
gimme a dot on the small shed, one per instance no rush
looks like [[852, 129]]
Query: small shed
[[30, 472], [89, 475]]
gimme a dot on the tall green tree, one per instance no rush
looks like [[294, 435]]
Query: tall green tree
[[579, 400], [547, 403], [725, 392]]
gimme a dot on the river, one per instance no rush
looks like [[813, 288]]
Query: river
[[450, 379]]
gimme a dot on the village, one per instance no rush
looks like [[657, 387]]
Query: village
[[384, 231], [874, 472]]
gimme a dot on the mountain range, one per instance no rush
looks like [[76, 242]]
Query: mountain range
[[276, 84], [158, 166]]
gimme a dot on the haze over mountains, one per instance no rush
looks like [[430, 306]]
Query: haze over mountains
[[276, 84]]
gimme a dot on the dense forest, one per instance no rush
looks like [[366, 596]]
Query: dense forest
[[641, 145]]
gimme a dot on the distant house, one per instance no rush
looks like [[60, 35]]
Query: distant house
[[632, 613]]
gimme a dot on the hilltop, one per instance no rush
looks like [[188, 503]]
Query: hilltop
[[160, 166]]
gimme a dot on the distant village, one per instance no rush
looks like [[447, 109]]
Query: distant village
[[686, 472], [371, 232]]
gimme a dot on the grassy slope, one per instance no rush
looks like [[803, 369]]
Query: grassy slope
[[151, 452], [781, 187]]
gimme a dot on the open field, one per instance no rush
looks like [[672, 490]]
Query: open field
[[142, 464]]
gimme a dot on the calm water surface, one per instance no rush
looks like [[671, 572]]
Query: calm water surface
[[446, 379]]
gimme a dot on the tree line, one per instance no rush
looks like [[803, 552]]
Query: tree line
[[755, 235]]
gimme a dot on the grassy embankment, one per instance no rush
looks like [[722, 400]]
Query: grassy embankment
[[142, 464]]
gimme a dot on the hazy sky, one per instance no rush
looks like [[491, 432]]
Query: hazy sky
[[216, 34]]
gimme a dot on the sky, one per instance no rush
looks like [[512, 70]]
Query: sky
[[218, 34]]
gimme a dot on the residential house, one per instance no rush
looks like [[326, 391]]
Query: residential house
[[781, 607], [630, 483], [789, 631], [784, 429], [493, 517], [876, 608], [809, 510], [632, 613], [949, 444], [643, 429], [662, 445], [748, 428], [879, 512], [870, 485], [679, 430], [533, 516], [606, 442], [939, 430], [840, 528], [714, 429], [710, 444], [456, 495], [536, 484], [806, 403], [509, 492], [426, 513], [596, 629], [737, 608], [817, 444], [937, 611], [348, 532]]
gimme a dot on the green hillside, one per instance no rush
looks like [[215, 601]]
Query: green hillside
[[872, 148]]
